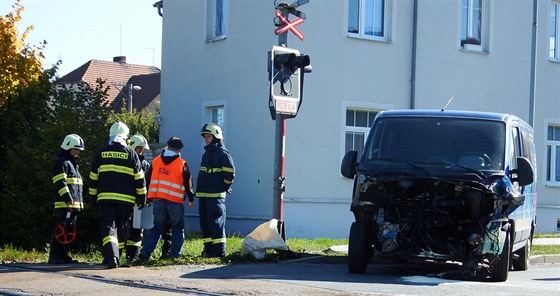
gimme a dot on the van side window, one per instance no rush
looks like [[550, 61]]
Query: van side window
[[516, 148], [527, 140]]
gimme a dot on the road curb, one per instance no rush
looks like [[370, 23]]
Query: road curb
[[550, 258]]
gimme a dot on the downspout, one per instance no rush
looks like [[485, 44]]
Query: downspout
[[532, 90], [413, 62]]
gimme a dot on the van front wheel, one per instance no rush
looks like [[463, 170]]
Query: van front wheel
[[500, 267], [357, 248]]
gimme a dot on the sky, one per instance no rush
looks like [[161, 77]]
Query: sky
[[78, 31]]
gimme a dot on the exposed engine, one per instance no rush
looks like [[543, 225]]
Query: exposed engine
[[427, 217]]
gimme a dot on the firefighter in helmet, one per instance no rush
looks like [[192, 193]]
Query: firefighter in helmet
[[68, 200], [117, 183], [214, 180], [139, 144]]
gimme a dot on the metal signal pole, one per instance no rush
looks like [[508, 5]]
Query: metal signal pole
[[279, 150], [280, 128]]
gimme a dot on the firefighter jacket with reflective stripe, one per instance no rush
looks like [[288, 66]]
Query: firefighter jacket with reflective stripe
[[116, 175], [67, 181], [170, 178], [216, 172]]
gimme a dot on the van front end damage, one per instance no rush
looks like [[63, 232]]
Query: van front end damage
[[440, 185], [433, 218]]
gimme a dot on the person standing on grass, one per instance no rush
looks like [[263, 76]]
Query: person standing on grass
[[170, 185], [116, 184], [139, 144], [68, 194], [214, 180]]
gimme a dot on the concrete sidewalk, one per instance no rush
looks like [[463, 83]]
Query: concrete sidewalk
[[549, 258], [546, 241]]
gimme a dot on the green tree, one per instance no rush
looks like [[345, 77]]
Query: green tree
[[142, 122], [35, 116], [24, 114], [33, 125], [25, 182]]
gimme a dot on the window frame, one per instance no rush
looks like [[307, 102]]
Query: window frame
[[554, 46], [208, 109], [355, 129], [465, 25], [361, 106], [550, 159], [386, 15], [212, 16]]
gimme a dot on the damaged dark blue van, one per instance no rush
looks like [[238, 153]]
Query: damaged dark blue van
[[444, 186]]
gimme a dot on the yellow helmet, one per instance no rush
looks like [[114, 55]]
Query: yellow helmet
[[72, 141], [138, 140], [213, 129], [119, 129]]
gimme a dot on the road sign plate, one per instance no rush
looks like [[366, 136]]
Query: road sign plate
[[286, 106]]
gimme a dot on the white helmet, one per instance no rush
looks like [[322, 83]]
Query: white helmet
[[138, 140], [213, 129], [72, 141], [119, 129]]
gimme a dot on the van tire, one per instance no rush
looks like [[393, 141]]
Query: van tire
[[522, 263], [357, 248], [501, 265]]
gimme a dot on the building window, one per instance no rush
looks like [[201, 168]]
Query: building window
[[367, 18], [554, 29], [358, 123], [216, 12], [553, 155], [215, 112], [217, 115], [471, 22]]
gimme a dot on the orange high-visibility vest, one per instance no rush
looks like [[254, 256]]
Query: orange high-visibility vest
[[167, 180]]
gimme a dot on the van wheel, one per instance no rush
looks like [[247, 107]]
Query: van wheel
[[357, 248], [500, 267], [522, 263]]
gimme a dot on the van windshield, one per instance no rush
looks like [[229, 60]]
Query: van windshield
[[477, 144]]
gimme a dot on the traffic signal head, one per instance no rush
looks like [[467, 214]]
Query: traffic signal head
[[286, 79]]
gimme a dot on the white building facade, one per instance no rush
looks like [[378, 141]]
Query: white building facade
[[367, 56]]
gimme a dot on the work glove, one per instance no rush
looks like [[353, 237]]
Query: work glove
[[141, 201]]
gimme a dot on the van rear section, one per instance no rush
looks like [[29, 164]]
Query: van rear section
[[445, 186]]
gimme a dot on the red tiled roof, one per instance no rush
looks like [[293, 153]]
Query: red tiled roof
[[114, 73]]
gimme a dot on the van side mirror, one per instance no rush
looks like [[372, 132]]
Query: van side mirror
[[348, 166], [525, 172]]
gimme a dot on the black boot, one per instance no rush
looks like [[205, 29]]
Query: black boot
[[112, 263], [55, 253]]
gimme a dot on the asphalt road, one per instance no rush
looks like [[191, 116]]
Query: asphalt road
[[317, 276]]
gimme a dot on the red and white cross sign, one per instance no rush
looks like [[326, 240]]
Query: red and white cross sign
[[289, 25]]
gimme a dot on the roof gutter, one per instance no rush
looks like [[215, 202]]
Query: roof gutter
[[414, 53], [532, 91], [159, 6]]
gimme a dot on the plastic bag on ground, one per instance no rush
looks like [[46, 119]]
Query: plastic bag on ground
[[264, 237]]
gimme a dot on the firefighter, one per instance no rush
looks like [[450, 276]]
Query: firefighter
[[214, 180], [139, 144], [116, 184], [68, 200], [170, 184]]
